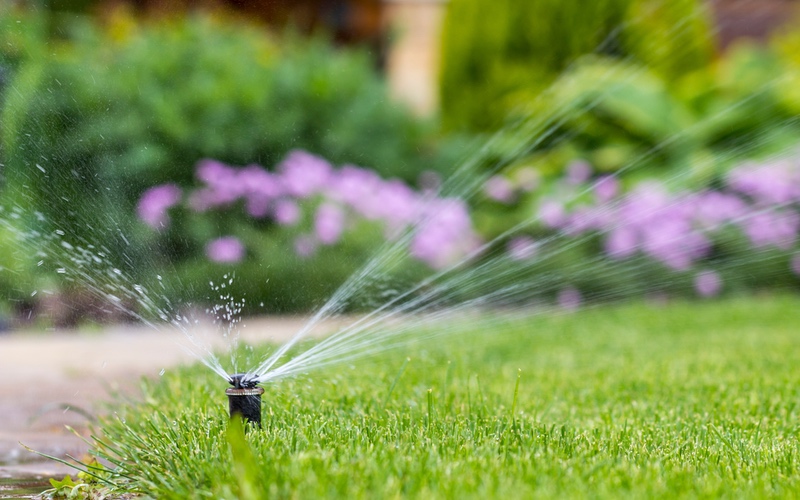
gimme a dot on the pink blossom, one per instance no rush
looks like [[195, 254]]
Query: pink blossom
[[521, 248], [578, 172], [707, 283], [606, 188], [154, 203], [714, 208], [304, 174], [397, 203], [552, 214], [778, 229], [225, 250], [287, 212], [212, 172], [445, 234], [569, 298], [329, 223], [499, 189], [260, 188], [223, 186], [773, 183], [621, 242], [357, 187], [795, 264]]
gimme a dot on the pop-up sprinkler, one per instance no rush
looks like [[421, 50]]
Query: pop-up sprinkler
[[244, 398]]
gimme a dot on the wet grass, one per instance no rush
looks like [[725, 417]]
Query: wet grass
[[685, 400]]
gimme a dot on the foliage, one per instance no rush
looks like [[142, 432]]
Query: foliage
[[500, 54], [66, 488], [91, 483], [306, 210], [588, 235], [106, 112], [677, 400]]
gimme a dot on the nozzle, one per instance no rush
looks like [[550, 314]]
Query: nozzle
[[244, 398]]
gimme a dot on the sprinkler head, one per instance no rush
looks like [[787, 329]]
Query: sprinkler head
[[244, 398]]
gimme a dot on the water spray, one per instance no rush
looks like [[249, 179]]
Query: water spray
[[244, 398]]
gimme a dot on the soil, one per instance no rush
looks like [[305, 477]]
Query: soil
[[50, 380]]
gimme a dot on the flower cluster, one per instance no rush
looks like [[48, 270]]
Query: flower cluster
[[758, 203], [679, 230], [442, 228]]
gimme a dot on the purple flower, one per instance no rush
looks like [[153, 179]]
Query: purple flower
[[445, 234], [707, 283], [795, 264], [606, 188], [227, 249], [621, 242], [397, 204], [578, 172], [772, 228], [213, 172], [552, 214], [287, 212], [774, 183], [671, 241], [499, 189], [222, 185], [255, 181], [155, 202], [714, 208], [260, 189], [357, 187], [569, 298], [586, 219], [304, 174], [329, 223], [522, 248]]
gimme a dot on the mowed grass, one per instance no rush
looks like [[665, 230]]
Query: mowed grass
[[682, 400]]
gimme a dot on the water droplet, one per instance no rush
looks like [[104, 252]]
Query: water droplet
[[161, 373], [61, 270]]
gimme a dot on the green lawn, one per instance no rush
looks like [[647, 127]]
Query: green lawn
[[689, 399]]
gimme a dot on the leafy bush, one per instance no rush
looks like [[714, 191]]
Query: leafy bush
[[592, 238], [304, 228], [105, 113], [622, 116], [500, 54]]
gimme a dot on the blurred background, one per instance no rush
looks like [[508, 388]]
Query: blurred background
[[173, 143]]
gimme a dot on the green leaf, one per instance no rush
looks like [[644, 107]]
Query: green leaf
[[244, 462], [67, 482]]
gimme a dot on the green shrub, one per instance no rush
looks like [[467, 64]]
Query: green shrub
[[103, 114], [619, 116], [500, 54]]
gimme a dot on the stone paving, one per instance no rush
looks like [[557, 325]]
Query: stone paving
[[49, 380]]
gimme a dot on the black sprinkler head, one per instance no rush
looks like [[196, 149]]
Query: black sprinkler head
[[244, 398], [242, 381]]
